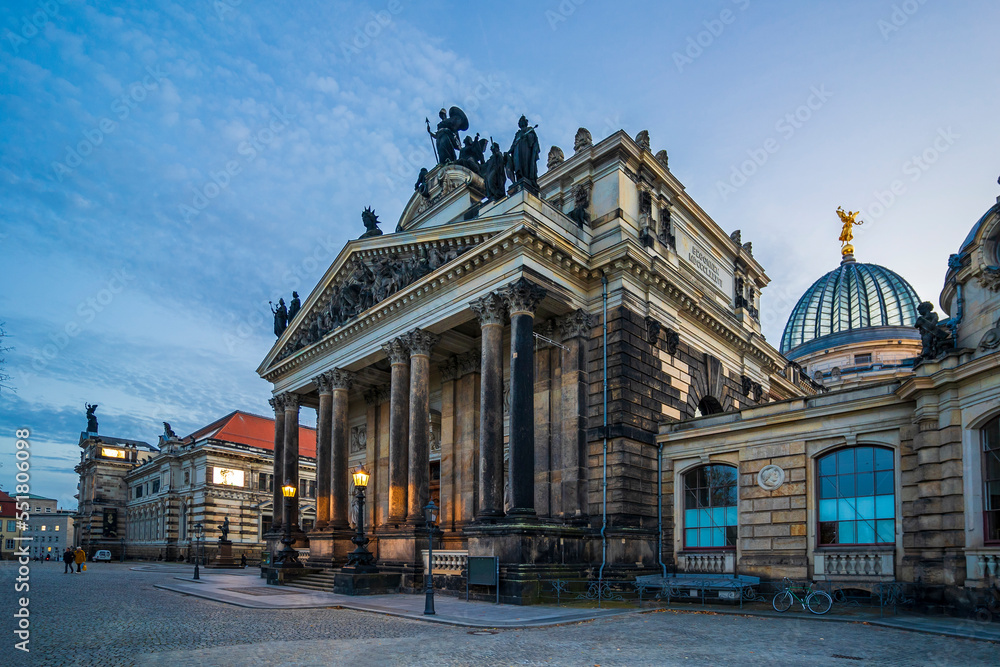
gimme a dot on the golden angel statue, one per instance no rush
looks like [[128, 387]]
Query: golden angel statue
[[847, 233]]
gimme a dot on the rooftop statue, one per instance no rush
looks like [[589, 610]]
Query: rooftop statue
[[371, 224], [446, 138], [168, 433], [472, 154], [280, 317], [847, 233], [294, 306], [91, 418], [935, 338], [422, 185], [524, 153], [494, 174]]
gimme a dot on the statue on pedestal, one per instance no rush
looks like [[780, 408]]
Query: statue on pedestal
[[935, 338], [294, 306], [371, 224], [847, 233], [446, 138], [524, 153], [91, 418], [494, 174], [422, 186], [280, 317], [225, 530], [168, 433], [471, 155]]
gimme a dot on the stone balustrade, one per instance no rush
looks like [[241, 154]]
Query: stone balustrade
[[446, 562], [982, 563], [723, 562], [858, 563]]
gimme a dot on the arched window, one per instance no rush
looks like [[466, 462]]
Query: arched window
[[710, 507], [857, 499], [991, 480], [709, 406]]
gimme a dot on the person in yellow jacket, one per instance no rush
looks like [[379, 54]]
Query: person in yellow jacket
[[79, 557]]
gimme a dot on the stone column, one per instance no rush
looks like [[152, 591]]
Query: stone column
[[451, 472], [291, 459], [575, 329], [341, 382], [278, 502], [521, 299], [323, 421], [467, 413], [492, 314], [420, 343], [399, 421]]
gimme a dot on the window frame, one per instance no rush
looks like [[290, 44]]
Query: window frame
[[984, 454], [683, 503], [855, 472]]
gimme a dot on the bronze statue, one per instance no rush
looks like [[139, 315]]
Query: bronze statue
[[168, 433], [294, 306], [471, 155], [524, 153], [935, 338], [280, 317], [371, 224], [422, 186], [494, 174], [91, 418], [446, 138], [225, 529]]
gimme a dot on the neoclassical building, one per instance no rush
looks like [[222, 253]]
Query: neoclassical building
[[513, 360]]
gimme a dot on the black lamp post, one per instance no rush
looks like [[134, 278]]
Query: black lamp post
[[288, 557], [199, 530], [430, 515], [360, 560]]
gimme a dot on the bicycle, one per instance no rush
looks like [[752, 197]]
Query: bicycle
[[818, 602]]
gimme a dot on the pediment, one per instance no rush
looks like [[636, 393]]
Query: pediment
[[369, 272]]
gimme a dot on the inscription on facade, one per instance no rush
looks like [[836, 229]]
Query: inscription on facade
[[706, 266]]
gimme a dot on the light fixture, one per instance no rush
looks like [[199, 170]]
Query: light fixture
[[288, 490], [360, 477]]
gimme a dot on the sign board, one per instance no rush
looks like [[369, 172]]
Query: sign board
[[227, 476], [482, 570]]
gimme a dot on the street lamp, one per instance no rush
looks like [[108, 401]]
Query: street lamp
[[430, 515], [288, 557], [360, 560], [199, 530]]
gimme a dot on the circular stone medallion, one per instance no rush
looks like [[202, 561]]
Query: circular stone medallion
[[770, 477]]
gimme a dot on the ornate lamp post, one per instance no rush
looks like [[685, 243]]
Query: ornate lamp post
[[360, 560], [288, 557], [199, 531], [430, 515]]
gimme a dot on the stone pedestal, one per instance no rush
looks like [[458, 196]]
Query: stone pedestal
[[375, 583], [225, 557]]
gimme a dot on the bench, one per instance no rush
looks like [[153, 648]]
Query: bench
[[726, 587]]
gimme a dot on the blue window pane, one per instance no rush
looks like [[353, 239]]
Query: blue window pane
[[828, 509], [883, 483], [883, 459], [828, 487], [866, 532], [719, 516], [886, 530], [885, 507], [865, 459], [691, 518], [828, 465], [845, 533], [865, 484], [845, 486], [731, 516], [845, 461], [845, 509], [704, 518], [705, 538], [865, 508], [718, 537], [691, 537]]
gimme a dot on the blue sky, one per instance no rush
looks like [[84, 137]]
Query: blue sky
[[167, 168]]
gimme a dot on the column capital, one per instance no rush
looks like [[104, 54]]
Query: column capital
[[469, 362], [489, 309], [397, 351], [377, 395], [340, 379], [522, 296], [575, 325], [449, 369], [322, 382], [420, 341], [291, 401], [277, 402]]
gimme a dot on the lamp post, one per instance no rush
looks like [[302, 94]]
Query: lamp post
[[430, 515], [360, 560], [288, 557], [199, 530]]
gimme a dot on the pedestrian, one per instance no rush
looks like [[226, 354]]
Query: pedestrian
[[79, 557], [68, 560], [243, 560]]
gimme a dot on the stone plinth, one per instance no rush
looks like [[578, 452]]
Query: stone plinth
[[224, 559], [375, 583]]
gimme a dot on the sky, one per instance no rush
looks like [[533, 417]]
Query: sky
[[167, 168]]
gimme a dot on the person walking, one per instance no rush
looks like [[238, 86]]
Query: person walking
[[68, 559], [79, 557], [243, 560]]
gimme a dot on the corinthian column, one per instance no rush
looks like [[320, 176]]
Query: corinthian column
[[399, 421], [420, 343], [492, 316], [323, 421], [291, 460], [575, 329], [522, 298], [340, 382], [278, 502]]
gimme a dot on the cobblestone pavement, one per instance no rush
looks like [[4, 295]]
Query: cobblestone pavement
[[112, 615]]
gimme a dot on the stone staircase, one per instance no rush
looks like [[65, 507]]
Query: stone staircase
[[316, 581]]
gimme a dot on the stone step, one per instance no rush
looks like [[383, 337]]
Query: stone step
[[312, 587]]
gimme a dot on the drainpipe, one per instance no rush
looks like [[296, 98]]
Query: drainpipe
[[604, 473], [659, 507]]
